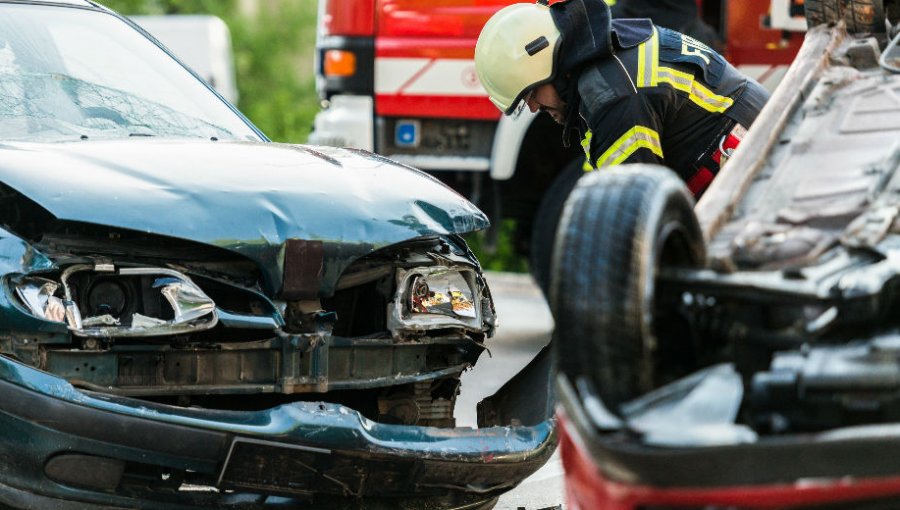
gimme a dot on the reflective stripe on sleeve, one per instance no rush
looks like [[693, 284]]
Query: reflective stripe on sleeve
[[698, 94], [638, 137], [648, 62]]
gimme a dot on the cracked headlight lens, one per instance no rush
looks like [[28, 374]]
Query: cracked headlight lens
[[434, 297], [444, 293], [102, 300], [38, 296]]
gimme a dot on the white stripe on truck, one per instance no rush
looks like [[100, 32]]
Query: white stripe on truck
[[427, 77]]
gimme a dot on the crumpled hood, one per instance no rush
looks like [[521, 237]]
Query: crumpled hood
[[243, 196]]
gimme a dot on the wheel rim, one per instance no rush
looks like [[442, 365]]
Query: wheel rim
[[673, 242]]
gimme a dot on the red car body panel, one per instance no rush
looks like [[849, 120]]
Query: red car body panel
[[587, 487]]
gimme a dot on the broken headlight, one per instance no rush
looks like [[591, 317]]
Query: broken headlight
[[434, 297], [444, 293], [100, 300]]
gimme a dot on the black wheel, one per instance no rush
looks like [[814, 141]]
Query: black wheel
[[546, 221], [617, 229], [861, 16]]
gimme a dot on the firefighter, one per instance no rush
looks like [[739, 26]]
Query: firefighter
[[632, 91]]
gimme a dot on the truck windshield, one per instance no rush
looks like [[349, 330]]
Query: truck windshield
[[68, 73]]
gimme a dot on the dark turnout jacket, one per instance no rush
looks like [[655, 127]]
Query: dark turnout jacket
[[679, 15], [645, 93]]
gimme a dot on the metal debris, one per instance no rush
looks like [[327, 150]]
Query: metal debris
[[698, 410]]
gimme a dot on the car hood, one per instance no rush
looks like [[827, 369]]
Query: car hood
[[248, 197]]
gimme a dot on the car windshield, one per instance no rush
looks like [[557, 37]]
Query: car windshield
[[68, 73]]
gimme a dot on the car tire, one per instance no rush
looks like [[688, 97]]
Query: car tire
[[617, 229], [861, 16], [546, 221]]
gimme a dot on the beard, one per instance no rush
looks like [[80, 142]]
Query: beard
[[557, 114]]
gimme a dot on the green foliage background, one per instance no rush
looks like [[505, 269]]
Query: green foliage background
[[273, 42]]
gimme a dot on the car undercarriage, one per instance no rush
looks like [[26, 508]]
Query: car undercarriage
[[756, 345]]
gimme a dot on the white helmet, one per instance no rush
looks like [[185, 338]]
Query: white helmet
[[516, 51]]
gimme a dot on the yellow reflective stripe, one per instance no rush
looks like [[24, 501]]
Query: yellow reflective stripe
[[648, 61], [641, 80], [638, 137], [586, 146], [610, 2], [654, 74], [678, 79], [698, 94]]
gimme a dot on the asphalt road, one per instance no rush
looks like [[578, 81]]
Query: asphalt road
[[525, 327]]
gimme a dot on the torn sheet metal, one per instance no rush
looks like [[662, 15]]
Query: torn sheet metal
[[698, 410], [40, 299], [528, 398], [770, 246], [193, 310], [188, 301], [102, 320]]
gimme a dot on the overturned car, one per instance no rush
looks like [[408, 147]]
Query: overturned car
[[744, 353], [193, 316]]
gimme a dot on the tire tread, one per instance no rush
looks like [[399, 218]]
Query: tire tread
[[860, 16], [599, 269]]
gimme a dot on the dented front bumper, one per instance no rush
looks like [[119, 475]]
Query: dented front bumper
[[65, 448]]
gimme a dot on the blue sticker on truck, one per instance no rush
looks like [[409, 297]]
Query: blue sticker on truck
[[406, 133]]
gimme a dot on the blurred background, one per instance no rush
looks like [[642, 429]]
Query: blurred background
[[273, 43]]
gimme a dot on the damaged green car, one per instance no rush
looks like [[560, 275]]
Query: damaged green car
[[192, 316]]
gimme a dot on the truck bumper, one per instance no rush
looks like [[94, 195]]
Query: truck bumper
[[347, 122]]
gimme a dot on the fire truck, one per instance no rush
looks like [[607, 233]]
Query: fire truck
[[397, 77]]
